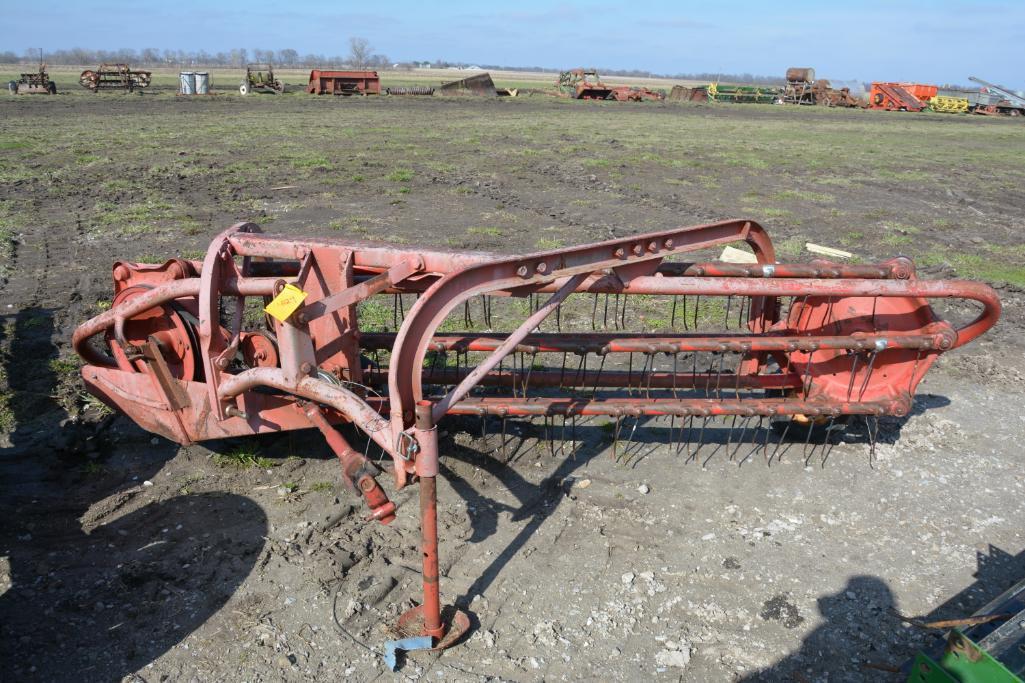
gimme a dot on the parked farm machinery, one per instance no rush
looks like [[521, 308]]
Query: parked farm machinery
[[582, 84], [343, 83], [893, 97], [1006, 102], [114, 77], [35, 83], [803, 88], [744, 360], [260, 78]]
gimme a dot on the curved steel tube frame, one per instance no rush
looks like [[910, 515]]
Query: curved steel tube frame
[[318, 347]]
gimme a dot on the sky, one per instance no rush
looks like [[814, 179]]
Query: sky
[[934, 41]]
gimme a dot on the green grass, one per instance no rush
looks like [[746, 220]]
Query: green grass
[[242, 458], [803, 195], [976, 267], [549, 243], [487, 230], [374, 316], [402, 175]]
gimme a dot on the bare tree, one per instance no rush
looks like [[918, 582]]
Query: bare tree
[[359, 53]]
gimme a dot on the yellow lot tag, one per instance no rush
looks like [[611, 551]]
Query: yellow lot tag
[[285, 303]]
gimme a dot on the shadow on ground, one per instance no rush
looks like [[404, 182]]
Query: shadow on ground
[[866, 606], [99, 599]]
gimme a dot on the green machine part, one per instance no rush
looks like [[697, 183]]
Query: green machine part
[[962, 661]]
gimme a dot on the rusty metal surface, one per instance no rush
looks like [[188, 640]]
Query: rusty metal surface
[[114, 77], [893, 97], [415, 90], [791, 344], [343, 83], [479, 84]]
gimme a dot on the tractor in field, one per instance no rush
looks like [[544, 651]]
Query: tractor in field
[[582, 84], [260, 78]]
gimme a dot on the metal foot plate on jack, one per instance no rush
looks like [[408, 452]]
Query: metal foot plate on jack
[[457, 623]]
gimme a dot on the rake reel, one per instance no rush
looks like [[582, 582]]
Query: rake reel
[[616, 332]]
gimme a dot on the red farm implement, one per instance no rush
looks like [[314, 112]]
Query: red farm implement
[[344, 83], [619, 333], [893, 97]]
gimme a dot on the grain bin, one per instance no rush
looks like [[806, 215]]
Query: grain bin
[[202, 82], [187, 81]]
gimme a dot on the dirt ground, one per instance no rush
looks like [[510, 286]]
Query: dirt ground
[[126, 557]]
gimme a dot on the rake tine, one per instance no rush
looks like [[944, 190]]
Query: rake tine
[[572, 436], [729, 436], [914, 370], [623, 321], [558, 318], [672, 316], [684, 316], [594, 313], [484, 430], [740, 439], [672, 428], [765, 441], [868, 374], [605, 320], [434, 363], [504, 421], [530, 369], [630, 374], [697, 307], [740, 313], [694, 373], [550, 435], [827, 444], [872, 433], [597, 377], [701, 434], [626, 451], [729, 304], [740, 363], [854, 370], [806, 379], [686, 442], [747, 456], [710, 455], [615, 440], [395, 312], [467, 320], [615, 313], [807, 440], [650, 361], [718, 377], [782, 438], [402, 309]]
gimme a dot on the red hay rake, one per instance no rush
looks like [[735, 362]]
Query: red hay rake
[[797, 345]]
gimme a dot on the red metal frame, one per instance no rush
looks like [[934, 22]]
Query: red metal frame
[[174, 354], [344, 83]]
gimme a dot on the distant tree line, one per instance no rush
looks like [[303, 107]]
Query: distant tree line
[[361, 56], [235, 57]]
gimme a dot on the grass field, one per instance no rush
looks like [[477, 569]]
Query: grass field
[[939, 188]]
